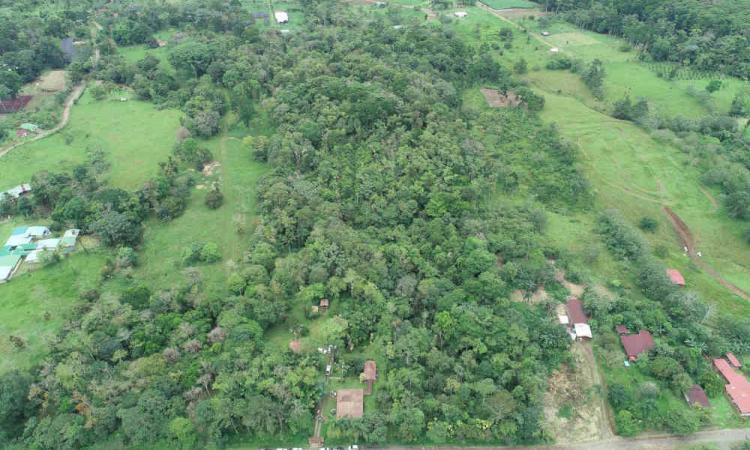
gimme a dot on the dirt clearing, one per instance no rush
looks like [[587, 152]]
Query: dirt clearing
[[575, 406], [497, 99], [52, 81]]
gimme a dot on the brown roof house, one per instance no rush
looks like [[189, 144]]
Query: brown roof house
[[323, 305], [578, 319], [635, 344], [350, 403], [696, 396], [369, 375]]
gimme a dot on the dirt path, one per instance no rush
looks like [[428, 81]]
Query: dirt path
[[720, 439], [606, 422], [69, 102], [687, 240]]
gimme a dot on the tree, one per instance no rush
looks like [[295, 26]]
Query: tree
[[15, 407], [214, 197], [713, 86], [521, 66], [116, 229], [593, 77], [627, 425], [739, 106]]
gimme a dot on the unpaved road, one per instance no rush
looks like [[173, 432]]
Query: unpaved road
[[686, 238], [721, 439]]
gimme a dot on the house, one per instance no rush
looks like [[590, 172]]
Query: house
[[17, 240], [281, 17], [582, 330], [48, 244], [8, 265], [575, 311], [37, 232], [30, 127], [635, 344], [676, 277], [350, 403], [733, 360], [16, 192], [460, 14], [69, 239], [696, 396], [323, 305], [370, 374], [738, 388], [622, 329], [14, 104], [564, 319]]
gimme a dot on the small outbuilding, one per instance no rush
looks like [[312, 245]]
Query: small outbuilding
[[323, 307], [622, 329], [554, 50], [37, 232], [545, 33], [696, 396], [575, 311], [350, 403], [676, 277], [582, 331], [369, 375], [30, 127], [460, 14], [281, 17]]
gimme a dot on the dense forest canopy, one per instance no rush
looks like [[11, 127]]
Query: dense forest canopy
[[712, 36]]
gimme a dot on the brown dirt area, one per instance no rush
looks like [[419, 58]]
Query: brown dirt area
[[580, 389], [210, 168], [496, 99], [52, 81], [537, 297]]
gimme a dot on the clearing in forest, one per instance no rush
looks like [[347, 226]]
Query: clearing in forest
[[497, 99]]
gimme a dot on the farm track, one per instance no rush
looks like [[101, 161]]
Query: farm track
[[688, 241]]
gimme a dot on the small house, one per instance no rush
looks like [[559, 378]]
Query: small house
[[575, 311], [737, 387], [323, 307], [37, 232], [676, 277], [48, 244], [21, 133], [636, 344], [554, 50], [696, 396], [281, 17], [17, 240], [30, 127], [370, 374], [582, 331], [460, 14]]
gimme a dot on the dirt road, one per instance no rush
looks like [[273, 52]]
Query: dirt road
[[721, 439], [687, 240]]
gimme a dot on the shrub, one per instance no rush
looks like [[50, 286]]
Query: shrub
[[648, 224], [210, 253], [621, 239], [214, 198]]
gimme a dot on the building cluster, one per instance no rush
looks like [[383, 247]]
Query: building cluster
[[350, 402], [737, 387], [575, 320], [29, 244]]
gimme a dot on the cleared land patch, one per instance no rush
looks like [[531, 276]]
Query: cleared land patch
[[497, 99]]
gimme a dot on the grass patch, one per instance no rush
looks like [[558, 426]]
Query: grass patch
[[505, 4]]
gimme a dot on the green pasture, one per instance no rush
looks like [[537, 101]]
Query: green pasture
[[34, 306], [505, 4], [134, 135]]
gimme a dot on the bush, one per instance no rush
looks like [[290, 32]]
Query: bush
[[621, 239], [214, 198], [210, 253], [648, 224]]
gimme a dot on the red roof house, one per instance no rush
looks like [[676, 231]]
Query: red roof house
[[738, 388], [370, 375], [14, 104], [622, 329], [676, 277], [696, 396], [635, 344], [575, 311], [733, 360]]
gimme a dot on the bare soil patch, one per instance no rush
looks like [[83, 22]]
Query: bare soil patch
[[537, 297], [497, 99], [52, 81], [575, 407], [210, 168]]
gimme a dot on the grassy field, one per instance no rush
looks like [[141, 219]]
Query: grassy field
[[503, 4], [134, 135]]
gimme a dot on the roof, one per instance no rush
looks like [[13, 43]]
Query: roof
[[19, 231], [697, 396], [281, 16], [17, 239], [37, 231], [295, 346], [371, 371], [48, 244], [5, 273], [14, 104], [676, 277], [68, 241], [16, 191], [622, 329], [575, 311], [635, 344], [350, 403], [324, 303], [582, 330], [29, 126], [563, 319], [733, 360], [460, 13], [738, 388], [9, 261], [72, 232]]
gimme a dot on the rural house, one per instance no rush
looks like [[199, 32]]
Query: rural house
[[635, 344], [696, 396], [737, 387], [16, 192], [14, 104], [578, 319], [676, 277], [350, 403]]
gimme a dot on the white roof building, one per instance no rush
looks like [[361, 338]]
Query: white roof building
[[48, 244], [5, 273], [18, 239], [582, 330], [33, 256], [460, 14], [554, 50], [281, 16], [37, 232], [563, 319], [16, 191]]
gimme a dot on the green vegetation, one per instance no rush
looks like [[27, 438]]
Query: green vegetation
[[504, 4]]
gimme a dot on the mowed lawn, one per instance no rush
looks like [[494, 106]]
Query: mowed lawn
[[134, 135], [504, 4]]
